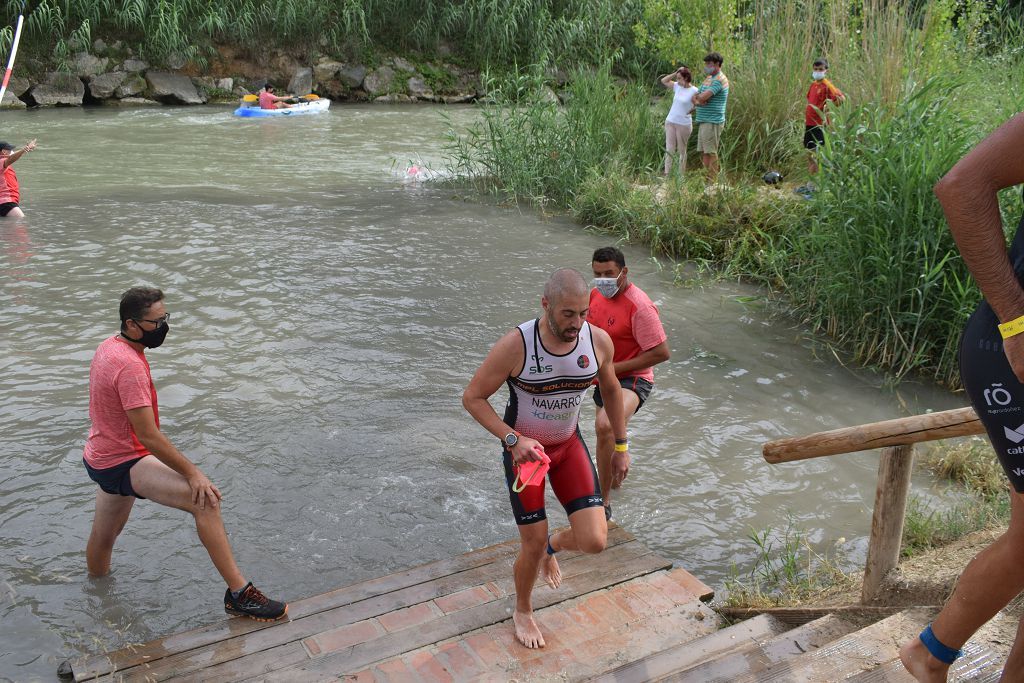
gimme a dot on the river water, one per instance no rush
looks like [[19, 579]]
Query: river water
[[326, 316]]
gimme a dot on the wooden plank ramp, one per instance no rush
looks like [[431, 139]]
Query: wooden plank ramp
[[444, 621]]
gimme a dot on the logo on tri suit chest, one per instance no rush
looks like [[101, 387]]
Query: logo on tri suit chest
[[996, 395], [537, 360], [1014, 435], [583, 361]]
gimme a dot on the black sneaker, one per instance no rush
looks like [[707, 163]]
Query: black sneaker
[[254, 604]]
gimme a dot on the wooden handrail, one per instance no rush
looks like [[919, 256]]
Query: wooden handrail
[[896, 438], [899, 432]]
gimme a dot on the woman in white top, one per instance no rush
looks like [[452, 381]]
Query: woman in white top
[[678, 124]]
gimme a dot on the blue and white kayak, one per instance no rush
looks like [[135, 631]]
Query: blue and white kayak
[[317, 106]]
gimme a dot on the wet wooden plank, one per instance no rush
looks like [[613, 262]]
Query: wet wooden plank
[[210, 645], [850, 655], [608, 568], [767, 653], [497, 573], [736, 637], [89, 667], [801, 615], [576, 566]]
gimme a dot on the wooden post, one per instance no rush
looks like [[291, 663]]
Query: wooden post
[[888, 517]]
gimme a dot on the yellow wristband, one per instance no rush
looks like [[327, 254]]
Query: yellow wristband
[[1012, 328], [621, 447]]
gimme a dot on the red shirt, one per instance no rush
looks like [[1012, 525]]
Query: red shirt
[[631, 319], [818, 95], [266, 100], [9, 191], [119, 380]]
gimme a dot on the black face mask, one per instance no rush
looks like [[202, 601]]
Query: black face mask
[[151, 338]]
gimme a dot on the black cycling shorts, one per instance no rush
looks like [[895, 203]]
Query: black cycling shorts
[[995, 392]]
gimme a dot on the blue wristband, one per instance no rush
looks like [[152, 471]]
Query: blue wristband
[[550, 550], [943, 653]]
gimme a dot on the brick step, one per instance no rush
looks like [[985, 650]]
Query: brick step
[[761, 656], [585, 636]]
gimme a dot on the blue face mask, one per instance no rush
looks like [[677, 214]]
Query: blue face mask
[[818, 75], [607, 286], [709, 70]]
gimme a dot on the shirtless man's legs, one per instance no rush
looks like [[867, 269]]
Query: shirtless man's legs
[[588, 533]]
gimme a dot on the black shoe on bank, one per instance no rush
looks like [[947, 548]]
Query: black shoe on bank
[[254, 604]]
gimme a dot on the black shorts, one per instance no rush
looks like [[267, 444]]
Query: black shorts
[[115, 480], [6, 207], [813, 136], [638, 385]]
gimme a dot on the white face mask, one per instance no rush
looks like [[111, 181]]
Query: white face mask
[[607, 286], [817, 75]]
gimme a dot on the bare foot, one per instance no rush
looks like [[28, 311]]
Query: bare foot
[[921, 664], [527, 631], [550, 571]]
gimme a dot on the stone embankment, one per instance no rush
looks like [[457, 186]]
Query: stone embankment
[[113, 75]]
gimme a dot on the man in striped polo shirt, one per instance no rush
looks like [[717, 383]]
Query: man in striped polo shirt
[[710, 103], [627, 314]]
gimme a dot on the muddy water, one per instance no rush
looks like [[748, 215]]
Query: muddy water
[[326, 316]]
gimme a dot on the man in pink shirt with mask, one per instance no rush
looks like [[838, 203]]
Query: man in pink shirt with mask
[[627, 314], [128, 456]]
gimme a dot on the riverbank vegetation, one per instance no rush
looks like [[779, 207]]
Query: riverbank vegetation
[[788, 571], [868, 259], [483, 33]]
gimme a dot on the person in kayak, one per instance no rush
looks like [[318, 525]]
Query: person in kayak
[[268, 100]]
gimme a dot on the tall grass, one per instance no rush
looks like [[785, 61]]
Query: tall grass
[[877, 268], [527, 146], [786, 571], [496, 33]]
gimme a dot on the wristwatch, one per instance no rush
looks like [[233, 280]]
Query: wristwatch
[[511, 439]]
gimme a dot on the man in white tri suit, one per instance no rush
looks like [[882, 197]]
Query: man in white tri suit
[[548, 364]]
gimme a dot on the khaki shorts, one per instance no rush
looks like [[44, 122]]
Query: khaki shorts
[[708, 137]]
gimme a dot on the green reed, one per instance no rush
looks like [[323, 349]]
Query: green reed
[[498, 33], [528, 146]]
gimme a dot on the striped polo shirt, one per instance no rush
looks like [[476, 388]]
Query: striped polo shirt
[[713, 111]]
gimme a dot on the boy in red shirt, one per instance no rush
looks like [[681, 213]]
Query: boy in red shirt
[[821, 92], [10, 193]]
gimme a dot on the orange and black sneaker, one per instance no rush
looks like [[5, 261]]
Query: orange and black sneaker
[[254, 604]]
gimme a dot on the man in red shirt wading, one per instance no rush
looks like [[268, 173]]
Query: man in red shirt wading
[[627, 314], [128, 456], [10, 193]]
